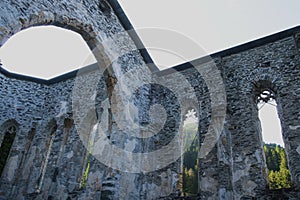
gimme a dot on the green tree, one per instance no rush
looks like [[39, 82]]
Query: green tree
[[190, 161], [279, 174]]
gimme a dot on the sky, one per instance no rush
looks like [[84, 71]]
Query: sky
[[193, 28], [213, 24], [44, 52], [270, 124], [204, 27]]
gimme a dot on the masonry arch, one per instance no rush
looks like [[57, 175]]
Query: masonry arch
[[265, 92], [49, 18], [45, 52], [261, 88], [46, 18]]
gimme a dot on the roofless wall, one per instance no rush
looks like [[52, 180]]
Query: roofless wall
[[113, 130]]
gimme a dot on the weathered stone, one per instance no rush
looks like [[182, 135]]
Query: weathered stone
[[51, 154]]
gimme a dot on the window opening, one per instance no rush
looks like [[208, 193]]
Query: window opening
[[190, 156], [88, 157], [276, 160], [45, 162], [9, 136]]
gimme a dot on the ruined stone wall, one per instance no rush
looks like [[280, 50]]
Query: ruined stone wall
[[141, 112], [234, 166], [40, 111], [54, 160], [49, 156], [25, 110], [275, 66]]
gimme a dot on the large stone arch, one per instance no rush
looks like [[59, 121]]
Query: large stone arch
[[24, 16], [48, 18], [93, 20], [45, 18]]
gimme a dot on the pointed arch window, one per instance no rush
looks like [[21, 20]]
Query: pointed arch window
[[53, 127], [190, 185], [6, 144], [276, 159]]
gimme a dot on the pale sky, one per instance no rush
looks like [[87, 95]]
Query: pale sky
[[211, 25], [44, 52], [270, 124]]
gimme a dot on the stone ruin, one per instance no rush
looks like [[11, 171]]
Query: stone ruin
[[51, 123]]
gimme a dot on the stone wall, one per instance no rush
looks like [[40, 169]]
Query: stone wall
[[245, 75], [58, 154], [55, 159]]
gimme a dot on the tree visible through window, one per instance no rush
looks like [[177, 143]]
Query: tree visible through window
[[278, 172], [190, 156]]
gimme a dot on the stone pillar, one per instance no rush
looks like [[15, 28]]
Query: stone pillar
[[248, 173], [289, 109], [214, 153]]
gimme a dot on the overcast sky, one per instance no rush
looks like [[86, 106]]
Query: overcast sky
[[207, 26], [270, 124], [192, 28], [213, 24], [44, 52]]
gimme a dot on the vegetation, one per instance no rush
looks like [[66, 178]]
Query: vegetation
[[190, 161], [279, 174], [85, 175]]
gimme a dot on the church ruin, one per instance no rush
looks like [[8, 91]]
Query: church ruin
[[51, 147]]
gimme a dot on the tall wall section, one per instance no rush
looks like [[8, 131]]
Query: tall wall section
[[235, 167], [50, 157]]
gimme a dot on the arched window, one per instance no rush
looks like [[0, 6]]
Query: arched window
[[88, 157], [189, 169], [89, 125], [52, 126], [9, 133], [276, 160]]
